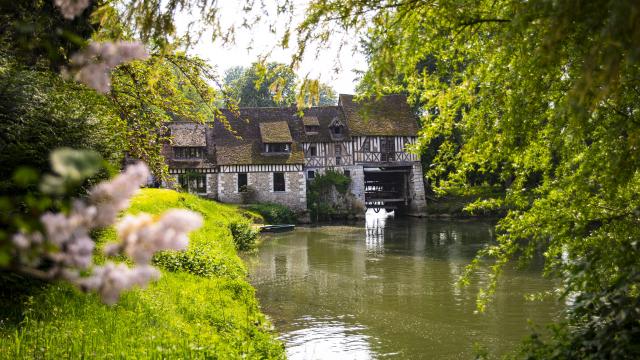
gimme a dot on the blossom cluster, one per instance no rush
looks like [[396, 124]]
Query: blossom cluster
[[71, 8], [65, 249], [92, 65]]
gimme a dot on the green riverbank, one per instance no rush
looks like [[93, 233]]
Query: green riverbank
[[213, 314]]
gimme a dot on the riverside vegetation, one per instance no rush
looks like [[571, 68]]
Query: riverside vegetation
[[202, 306]]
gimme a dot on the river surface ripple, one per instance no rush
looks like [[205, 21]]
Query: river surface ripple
[[387, 289]]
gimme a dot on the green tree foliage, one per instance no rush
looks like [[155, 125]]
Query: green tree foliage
[[271, 85], [322, 192], [149, 94], [37, 114], [545, 94]]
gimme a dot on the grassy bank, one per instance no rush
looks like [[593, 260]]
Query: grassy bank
[[213, 314]]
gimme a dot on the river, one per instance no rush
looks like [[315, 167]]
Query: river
[[387, 289]]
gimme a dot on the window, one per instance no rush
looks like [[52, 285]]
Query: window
[[313, 151], [337, 130], [188, 152], [311, 175], [278, 181], [242, 182], [193, 182], [338, 153], [366, 145], [311, 129], [347, 173], [278, 148]]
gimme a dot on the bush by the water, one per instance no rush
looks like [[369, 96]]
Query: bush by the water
[[326, 195], [274, 213], [202, 306], [244, 236]]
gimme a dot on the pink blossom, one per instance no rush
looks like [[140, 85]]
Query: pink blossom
[[94, 63], [142, 236], [67, 246], [110, 197], [71, 8], [111, 279]]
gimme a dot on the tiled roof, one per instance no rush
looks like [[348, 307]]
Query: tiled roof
[[275, 132], [387, 116], [188, 134], [246, 146], [310, 121], [253, 127]]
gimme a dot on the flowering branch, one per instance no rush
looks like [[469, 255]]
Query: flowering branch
[[64, 249]]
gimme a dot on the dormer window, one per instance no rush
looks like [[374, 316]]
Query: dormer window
[[277, 148], [311, 129], [337, 129], [311, 125], [276, 137]]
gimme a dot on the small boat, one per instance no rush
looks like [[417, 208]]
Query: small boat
[[277, 228]]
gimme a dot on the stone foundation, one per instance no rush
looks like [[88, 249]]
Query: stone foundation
[[294, 196], [417, 196]]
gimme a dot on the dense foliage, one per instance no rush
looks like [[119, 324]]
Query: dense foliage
[[274, 213], [244, 236], [269, 85], [326, 194], [546, 95], [210, 314]]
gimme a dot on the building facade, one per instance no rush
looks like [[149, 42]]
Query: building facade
[[269, 154]]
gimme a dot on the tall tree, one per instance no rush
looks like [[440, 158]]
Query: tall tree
[[273, 84], [547, 94]]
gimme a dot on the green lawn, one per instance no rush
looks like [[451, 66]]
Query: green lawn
[[180, 316]]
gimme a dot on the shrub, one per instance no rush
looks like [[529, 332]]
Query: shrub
[[323, 193], [196, 260], [248, 194], [274, 213], [244, 237]]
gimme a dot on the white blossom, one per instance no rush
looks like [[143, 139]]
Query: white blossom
[[111, 279], [71, 8], [94, 63]]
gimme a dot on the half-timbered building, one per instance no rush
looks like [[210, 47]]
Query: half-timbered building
[[274, 152]]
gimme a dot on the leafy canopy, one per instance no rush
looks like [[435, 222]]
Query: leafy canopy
[[270, 85], [544, 93]]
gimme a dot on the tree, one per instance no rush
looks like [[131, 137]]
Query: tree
[[262, 85], [271, 85], [545, 94]]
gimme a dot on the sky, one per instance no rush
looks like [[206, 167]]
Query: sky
[[333, 66]]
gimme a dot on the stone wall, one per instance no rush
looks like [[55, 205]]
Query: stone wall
[[418, 204], [294, 196], [212, 186]]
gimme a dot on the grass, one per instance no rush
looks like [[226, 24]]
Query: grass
[[182, 315]]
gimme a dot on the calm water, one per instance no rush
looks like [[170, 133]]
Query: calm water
[[388, 289]]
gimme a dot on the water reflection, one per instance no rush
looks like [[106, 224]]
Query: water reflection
[[388, 288], [329, 338], [375, 224]]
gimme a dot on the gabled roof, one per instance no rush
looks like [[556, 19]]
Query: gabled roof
[[245, 146], [275, 132], [386, 116]]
